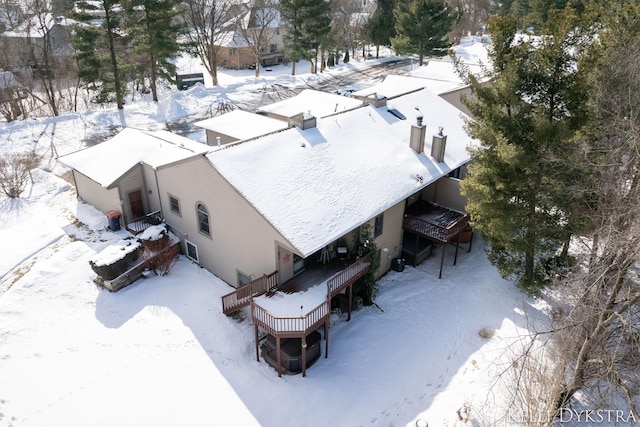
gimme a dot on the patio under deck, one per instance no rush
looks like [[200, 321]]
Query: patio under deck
[[437, 224]]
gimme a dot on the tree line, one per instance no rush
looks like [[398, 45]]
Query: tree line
[[554, 188], [119, 46]]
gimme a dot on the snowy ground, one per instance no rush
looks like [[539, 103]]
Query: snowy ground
[[161, 353]]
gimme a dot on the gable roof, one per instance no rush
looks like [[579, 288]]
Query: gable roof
[[314, 102], [392, 86], [242, 124], [108, 161], [316, 185]]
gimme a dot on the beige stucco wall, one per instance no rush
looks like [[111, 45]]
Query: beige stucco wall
[[151, 196], [224, 139], [95, 194], [453, 98], [241, 239], [132, 181], [390, 241], [445, 192]]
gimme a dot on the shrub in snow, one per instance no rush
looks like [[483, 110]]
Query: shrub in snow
[[15, 170], [115, 259], [159, 249]]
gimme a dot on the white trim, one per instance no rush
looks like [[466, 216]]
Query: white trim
[[186, 251]]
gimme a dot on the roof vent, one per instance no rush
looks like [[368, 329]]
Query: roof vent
[[418, 132], [439, 145]]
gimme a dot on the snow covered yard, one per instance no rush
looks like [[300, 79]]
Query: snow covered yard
[[162, 353]]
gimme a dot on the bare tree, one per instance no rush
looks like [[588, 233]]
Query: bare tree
[[602, 328], [12, 96], [597, 332], [11, 13], [259, 27], [473, 16], [210, 22]]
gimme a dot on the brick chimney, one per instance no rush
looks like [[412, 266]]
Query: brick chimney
[[439, 145], [418, 132]]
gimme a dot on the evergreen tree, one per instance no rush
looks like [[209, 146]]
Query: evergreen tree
[[99, 49], [154, 28], [380, 28], [525, 117], [422, 27], [317, 28], [296, 46], [307, 21]]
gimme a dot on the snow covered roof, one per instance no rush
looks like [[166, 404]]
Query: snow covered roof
[[37, 26], [393, 85], [231, 39], [440, 75], [242, 124], [105, 163], [316, 103], [316, 185]]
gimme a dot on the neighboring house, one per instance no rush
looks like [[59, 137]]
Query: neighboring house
[[257, 27], [238, 125], [42, 41], [121, 174], [311, 103], [279, 210]]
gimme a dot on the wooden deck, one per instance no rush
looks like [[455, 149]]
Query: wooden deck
[[339, 275], [436, 223], [312, 275]]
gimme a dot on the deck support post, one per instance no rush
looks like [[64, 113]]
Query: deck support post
[[326, 339], [350, 301], [444, 247], [278, 357], [303, 341], [470, 241], [415, 251], [455, 257], [255, 328]]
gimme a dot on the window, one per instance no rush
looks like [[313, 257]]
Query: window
[[192, 251], [243, 278], [232, 51], [174, 204], [203, 219], [273, 47], [377, 228], [455, 173], [298, 264]]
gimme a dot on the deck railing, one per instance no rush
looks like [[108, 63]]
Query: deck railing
[[290, 326], [344, 278], [241, 297], [294, 326], [138, 225], [431, 230]]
